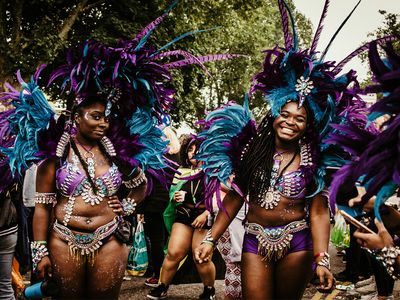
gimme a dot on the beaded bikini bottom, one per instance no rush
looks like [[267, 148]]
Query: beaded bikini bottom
[[85, 245], [273, 243]]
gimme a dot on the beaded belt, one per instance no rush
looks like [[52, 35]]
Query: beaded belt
[[85, 245], [273, 243]]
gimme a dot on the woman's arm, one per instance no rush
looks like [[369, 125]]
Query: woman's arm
[[45, 197], [137, 192], [320, 230], [232, 203], [383, 244]]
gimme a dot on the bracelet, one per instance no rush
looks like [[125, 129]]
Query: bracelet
[[325, 261], [45, 198], [128, 206], [208, 239], [387, 256], [136, 181], [39, 251], [321, 254], [41, 242]]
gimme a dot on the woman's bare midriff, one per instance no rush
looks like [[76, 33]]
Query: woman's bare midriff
[[85, 216], [287, 211]]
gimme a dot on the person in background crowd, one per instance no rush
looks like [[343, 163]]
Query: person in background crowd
[[8, 241], [153, 209], [188, 225]]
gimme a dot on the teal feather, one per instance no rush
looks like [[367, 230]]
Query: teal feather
[[143, 124], [384, 193], [224, 124], [182, 37], [32, 116]]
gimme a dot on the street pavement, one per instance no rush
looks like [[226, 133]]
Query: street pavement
[[134, 288]]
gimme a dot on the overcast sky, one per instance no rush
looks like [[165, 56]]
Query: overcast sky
[[364, 20]]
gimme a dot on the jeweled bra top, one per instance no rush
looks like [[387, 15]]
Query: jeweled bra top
[[292, 185], [71, 181]]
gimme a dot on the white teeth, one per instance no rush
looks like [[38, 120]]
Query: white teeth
[[287, 130]]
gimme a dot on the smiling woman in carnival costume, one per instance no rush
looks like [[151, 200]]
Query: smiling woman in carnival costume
[[93, 157], [280, 167]]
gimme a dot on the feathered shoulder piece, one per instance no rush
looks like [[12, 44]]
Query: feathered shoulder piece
[[227, 132], [23, 125], [375, 155]]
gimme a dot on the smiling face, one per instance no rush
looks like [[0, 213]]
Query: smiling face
[[291, 124], [91, 121]]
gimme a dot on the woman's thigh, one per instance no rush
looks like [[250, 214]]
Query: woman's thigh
[[179, 241], [293, 273], [104, 277], [257, 277], [68, 270]]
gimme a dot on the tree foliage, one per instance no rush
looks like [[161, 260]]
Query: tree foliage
[[39, 31], [391, 26]]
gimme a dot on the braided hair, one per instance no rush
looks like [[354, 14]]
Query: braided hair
[[255, 169]]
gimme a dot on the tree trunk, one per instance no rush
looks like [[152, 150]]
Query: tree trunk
[[69, 22]]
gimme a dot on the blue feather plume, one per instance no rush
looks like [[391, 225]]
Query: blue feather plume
[[32, 115], [227, 131]]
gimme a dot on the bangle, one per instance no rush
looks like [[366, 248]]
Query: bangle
[[128, 206], [208, 239], [41, 242], [136, 181], [321, 254], [45, 198], [39, 251], [325, 261]]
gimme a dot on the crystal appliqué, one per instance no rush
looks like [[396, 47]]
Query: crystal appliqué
[[270, 199], [303, 87], [89, 196]]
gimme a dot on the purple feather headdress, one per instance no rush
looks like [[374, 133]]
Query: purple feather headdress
[[292, 74], [132, 74], [375, 155]]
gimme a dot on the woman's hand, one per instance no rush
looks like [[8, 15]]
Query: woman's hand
[[203, 252], [200, 221], [374, 240], [44, 268], [326, 279], [179, 196], [115, 204]]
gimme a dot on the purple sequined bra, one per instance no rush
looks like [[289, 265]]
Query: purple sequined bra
[[72, 181], [292, 185]]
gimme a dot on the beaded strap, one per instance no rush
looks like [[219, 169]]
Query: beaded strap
[[39, 250], [45, 198], [128, 206], [136, 181], [388, 257]]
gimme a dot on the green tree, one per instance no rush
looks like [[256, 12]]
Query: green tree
[[391, 26], [39, 31]]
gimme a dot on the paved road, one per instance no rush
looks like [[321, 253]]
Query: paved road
[[135, 288]]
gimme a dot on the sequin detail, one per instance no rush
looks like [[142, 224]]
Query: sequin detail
[[85, 245], [273, 243]]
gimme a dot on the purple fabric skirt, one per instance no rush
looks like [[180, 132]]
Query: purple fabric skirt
[[301, 241]]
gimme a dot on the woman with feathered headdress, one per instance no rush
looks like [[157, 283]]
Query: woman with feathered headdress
[[280, 167], [98, 159]]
